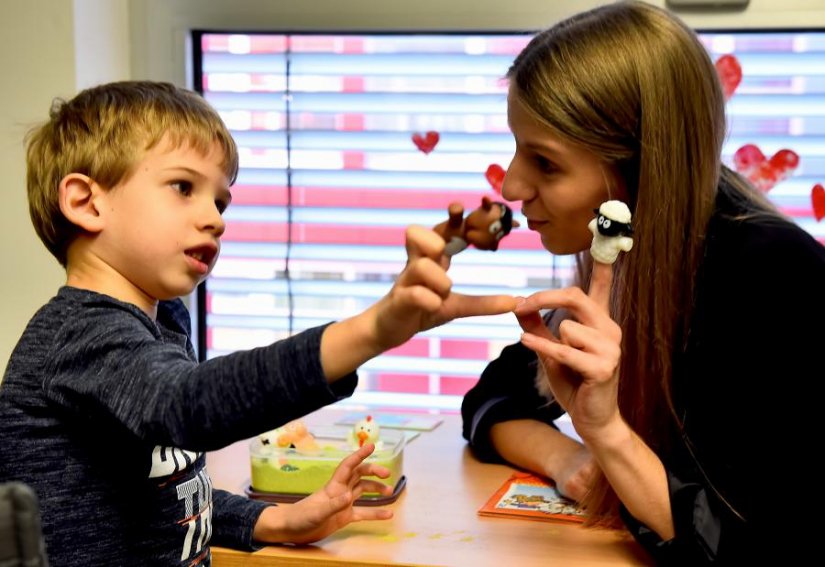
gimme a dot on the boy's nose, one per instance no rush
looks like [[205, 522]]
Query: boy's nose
[[213, 221]]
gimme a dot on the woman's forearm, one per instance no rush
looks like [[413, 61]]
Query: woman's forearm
[[636, 475], [533, 445]]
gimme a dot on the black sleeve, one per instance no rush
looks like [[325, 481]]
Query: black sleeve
[[743, 487], [505, 391]]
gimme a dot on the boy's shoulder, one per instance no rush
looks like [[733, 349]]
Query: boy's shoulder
[[89, 311], [73, 304], [76, 322]]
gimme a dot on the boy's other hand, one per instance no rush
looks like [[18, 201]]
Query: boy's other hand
[[329, 509]]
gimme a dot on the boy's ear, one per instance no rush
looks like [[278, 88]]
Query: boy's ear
[[79, 202]]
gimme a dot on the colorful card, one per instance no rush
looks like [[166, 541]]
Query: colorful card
[[527, 496]]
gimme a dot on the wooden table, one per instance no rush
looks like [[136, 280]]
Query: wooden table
[[435, 519]]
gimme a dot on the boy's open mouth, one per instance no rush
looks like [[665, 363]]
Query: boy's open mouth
[[204, 254]]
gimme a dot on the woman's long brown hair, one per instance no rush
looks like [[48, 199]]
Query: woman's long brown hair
[[634, 85]]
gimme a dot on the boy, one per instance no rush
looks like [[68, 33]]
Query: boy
[[103, 409]]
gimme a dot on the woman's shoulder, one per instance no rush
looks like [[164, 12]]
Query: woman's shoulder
[[764, 241]]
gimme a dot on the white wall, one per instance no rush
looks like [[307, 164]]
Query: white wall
[[52, 48], [159, 27]]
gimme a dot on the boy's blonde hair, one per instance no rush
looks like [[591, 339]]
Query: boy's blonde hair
[[103, 133]]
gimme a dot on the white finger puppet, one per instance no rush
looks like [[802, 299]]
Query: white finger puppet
[[611, 231], [365, 431]]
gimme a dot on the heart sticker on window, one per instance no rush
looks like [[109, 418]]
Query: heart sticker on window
[[818, 201], [730, 74], [427, 142], [764, 173], [495, 176]]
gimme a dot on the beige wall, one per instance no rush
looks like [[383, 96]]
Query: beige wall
[[52, 48], [37, 59], [48, 49]]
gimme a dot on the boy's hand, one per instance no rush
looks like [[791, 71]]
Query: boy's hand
[[329, 509], [422, 298]]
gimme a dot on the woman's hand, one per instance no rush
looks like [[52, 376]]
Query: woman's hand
[[575, 472], [329, 509], [582, 363]]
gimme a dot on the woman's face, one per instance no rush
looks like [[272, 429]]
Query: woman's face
[[559, 184]]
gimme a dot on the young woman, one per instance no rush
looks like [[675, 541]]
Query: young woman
[[674, 362]]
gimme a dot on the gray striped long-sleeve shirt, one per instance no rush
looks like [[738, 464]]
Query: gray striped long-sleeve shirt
[[106, 414]]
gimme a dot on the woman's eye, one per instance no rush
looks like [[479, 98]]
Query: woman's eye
[[494, 227], [545, 164], [221, 205]]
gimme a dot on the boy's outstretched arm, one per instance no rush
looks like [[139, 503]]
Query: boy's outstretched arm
[[329, 509], [420, 299]]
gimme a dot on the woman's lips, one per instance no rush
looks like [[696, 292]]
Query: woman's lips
[[535, 224]]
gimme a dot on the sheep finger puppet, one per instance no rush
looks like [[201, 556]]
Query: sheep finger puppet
[[364, 431], [611, 231], [483, 228]]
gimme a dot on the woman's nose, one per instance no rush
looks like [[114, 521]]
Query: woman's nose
[[515, 186]]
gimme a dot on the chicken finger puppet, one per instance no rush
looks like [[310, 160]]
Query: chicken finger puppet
[[366, 430], [294, 434], [611, 231], [483, 228]]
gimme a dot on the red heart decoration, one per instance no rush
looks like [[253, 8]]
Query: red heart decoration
[[427, 142], [818, 201], [762, 172], [730, 74], [495, 176], [747, 159]]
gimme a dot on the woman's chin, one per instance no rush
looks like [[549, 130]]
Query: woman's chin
[[557, 248]]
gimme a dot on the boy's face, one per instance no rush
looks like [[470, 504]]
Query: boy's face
[[163, 224]]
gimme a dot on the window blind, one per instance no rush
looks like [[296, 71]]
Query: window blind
[[330, 177]]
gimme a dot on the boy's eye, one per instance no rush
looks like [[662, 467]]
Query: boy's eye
[[182, 187]]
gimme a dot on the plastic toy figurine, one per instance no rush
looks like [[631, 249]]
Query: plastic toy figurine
[[294, 434], [483, 228], [365, 431], [611, 231]]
